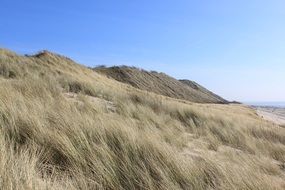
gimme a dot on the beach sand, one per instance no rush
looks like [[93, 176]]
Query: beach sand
[[276, 115]]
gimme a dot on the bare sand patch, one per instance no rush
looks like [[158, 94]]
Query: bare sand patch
[[276, 115]]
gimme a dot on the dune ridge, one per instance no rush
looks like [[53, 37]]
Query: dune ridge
[[64, 126]]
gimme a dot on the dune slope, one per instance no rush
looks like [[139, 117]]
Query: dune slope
[[161, 83], [63, 126]]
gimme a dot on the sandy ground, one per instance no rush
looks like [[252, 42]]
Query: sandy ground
[[276, 115]]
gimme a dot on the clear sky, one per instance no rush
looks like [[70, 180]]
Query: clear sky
[[236, 48]]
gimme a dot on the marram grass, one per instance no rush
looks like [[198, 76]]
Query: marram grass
[[63, 126]]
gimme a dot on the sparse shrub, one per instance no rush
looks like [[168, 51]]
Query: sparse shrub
[[76, 86], [136, 99], [154, 104], [9, 70]]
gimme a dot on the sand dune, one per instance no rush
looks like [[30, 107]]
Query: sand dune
[[64, 126]]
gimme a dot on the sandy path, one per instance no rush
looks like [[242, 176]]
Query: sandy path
[[276, 115]]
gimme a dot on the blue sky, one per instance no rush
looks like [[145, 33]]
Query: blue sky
[[234, 48]]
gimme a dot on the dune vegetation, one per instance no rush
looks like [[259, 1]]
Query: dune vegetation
[[161, 83], [64, 126]]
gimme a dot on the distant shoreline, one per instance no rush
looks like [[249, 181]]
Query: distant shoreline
[[266, 104], [271, 113]]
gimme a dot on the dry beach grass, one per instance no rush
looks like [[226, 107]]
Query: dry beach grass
[[160, 83], [63, 126]]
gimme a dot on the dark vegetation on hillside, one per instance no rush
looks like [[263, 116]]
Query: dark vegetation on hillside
[[161, 83]]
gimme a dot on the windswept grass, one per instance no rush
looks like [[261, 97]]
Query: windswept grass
[[160, 83], [53, 141]]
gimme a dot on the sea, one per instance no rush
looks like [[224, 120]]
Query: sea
[[266, 104]]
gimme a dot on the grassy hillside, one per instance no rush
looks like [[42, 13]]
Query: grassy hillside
[[205, 92], [63, 126], [161, 83]]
